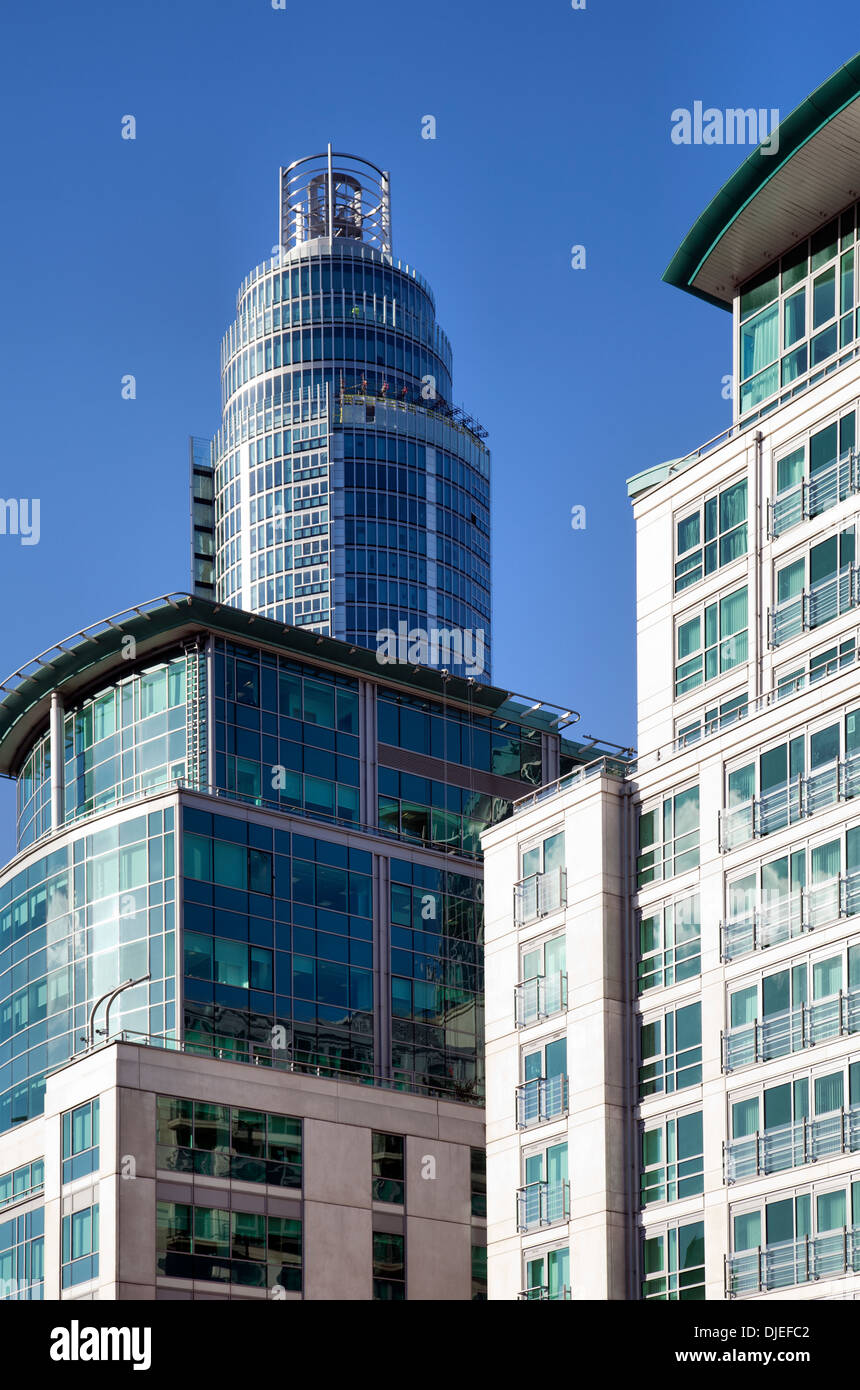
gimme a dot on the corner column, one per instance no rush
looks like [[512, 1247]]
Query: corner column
[[58, 764]]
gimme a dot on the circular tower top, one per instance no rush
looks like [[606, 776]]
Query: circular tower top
[[335, 195]]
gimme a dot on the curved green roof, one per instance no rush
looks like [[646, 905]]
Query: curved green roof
[[776, 198]]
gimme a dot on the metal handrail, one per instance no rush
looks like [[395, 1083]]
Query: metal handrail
[[285, 1059], [788, 1263], [539, 998], [542, 1203], [539, 894], [792, 1030], [793, 1145], [540, 1099]]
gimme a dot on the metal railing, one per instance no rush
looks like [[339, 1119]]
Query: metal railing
[[791, 1262], [542, 1204], [818, 604], [791, 801], [791, 1146], [792, 1030], [539, 998], [22, 1196], [542, 1292], [787, 917], [815, 495], [224, 1049], [539, 895], [601, 767], [543, 1098]]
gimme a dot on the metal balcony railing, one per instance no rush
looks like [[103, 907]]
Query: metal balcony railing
[[818, 604], [543, 1098], [792, 1031], [538, 895], [816, 494], [785, 918], [542, 1292], [542, 1204], [794, 1262], [791, 1146], [791, 801], [539, 998]]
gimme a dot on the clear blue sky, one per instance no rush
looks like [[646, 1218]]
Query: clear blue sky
[[552, 130]]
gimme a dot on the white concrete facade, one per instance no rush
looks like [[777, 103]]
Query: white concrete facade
[[731, 970]]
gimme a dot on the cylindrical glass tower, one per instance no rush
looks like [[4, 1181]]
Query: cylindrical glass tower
[[350, 495]]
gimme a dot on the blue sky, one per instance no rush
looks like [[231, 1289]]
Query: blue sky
[[553, 129]]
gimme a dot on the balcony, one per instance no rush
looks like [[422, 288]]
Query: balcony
[[818, 604], [542, 1204], [794, 1262], [789, 802], [788, 917], [539, 998], [539, 895], [543, 1292], [790, 1146], [541, 1099], [815, 495], [792, 1031]]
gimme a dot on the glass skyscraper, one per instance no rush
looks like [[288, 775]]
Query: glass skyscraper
[[344, 491]]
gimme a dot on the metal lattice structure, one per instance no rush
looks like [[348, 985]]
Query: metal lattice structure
[[335, 195]]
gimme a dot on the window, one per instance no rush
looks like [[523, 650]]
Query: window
[[815, 475], [80, 1247], [229, 1142], [792, 1008], [670, 943], [813, 587], [765, 905], [389, 1267], [713, 535], [669, 837], [545, 1195], [22, 1257], [673, 1162], [671, 1051], [479, 1273], [22, 1182], [794, 1238], [797, 314], [478, 1166], [674, 1263], [710, 642], [389, 1169], [542, 990], [543, 1093], [542, 888], [826, 661], [228, 1247], [718, 717], [548, 1275], [81, 1141]]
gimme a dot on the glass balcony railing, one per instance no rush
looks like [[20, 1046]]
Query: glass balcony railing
[[539, 895], [542, 1098], [794, 1262], [791, 1146], [816, 494], [543, 1292], [784, 805], [818, 604], [542, 1204], [785, 918], [539, 998], [792, 1031]]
